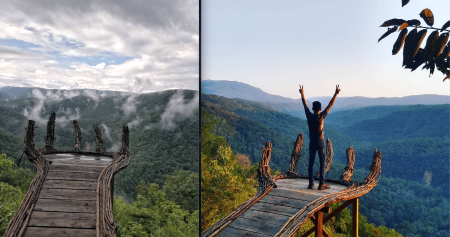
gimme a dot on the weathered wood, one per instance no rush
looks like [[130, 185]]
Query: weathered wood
[[264, 177], [230, 231], [76, 168], [77, 155], [264, 216], [295, 194], [296, 153], [355, 216], [81, 162], [77, 145], [50, 138], [288, 202], [318, 228], [98, 139], [51, 193], [255, 226], [348, 170], [18, 222], [273, 208], [105, 225], [60, 232], [70, 184], [325, 209], [284, 201], [73, 175], [62, 219], [65, 205]]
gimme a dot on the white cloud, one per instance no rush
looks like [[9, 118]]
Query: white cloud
[[178, 108], [159, 40]]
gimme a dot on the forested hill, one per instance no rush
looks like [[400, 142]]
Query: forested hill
[[235, 89], [163, 129], [380, 124], [251, 124], [414, 185], [410, 145]]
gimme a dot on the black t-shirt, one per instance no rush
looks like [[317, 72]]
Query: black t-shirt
[[315, 124]]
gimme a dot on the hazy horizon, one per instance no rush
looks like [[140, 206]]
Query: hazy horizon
[[340, 95]]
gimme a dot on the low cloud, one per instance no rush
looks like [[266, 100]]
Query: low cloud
[[178, 109], [135, 122], [41, 99]]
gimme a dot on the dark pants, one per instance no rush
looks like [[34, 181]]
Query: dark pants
[[319, 146]]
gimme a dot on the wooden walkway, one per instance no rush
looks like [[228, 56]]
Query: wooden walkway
[[283, 203], [66, 203], [72, 191], [268, 215]]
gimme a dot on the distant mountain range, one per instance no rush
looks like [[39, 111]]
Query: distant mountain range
[[12, 92], [234, 89]]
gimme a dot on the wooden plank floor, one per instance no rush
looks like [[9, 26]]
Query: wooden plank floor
[[267, 216], [66, 204]]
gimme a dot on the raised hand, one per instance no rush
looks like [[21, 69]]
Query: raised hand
[[337, 90], [301, 89]]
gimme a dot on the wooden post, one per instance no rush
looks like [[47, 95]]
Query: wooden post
[[296, 153], [112, 191], [50, 138], [355, 215], [318, 229]]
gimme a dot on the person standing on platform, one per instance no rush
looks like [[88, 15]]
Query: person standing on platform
[[316, 143]]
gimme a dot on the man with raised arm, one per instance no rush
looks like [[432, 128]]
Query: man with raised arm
[[316, 143]]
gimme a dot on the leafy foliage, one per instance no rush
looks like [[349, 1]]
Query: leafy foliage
[[153, 215], [182, 189], [14, 182], [413, 55], [224, 183]]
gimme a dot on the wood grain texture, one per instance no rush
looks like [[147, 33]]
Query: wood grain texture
[[263, 216], [72, 175], [70, 184], [50, 193], [64, 205], [58, 232], [255, 226], [288, 202], [62, 219], [295, 194], [273, 208], [230, 231], [76, 168], [90, 163]]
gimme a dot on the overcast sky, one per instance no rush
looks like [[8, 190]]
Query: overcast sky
[[277, 45], [133, 45]]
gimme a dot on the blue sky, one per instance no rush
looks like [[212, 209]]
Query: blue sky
[[137, 46], [277, 45]]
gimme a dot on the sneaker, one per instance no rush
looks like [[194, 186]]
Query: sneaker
[[311, 186], [323, 186]]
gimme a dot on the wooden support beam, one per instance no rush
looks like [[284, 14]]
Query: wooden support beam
[[339, 209], [318, 228], [326, 209], [355, 216]]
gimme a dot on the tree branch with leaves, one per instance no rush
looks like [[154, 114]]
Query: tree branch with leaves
[[435, 54]]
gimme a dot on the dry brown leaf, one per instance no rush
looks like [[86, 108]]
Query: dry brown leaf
[[403, 26], [427, 16]]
